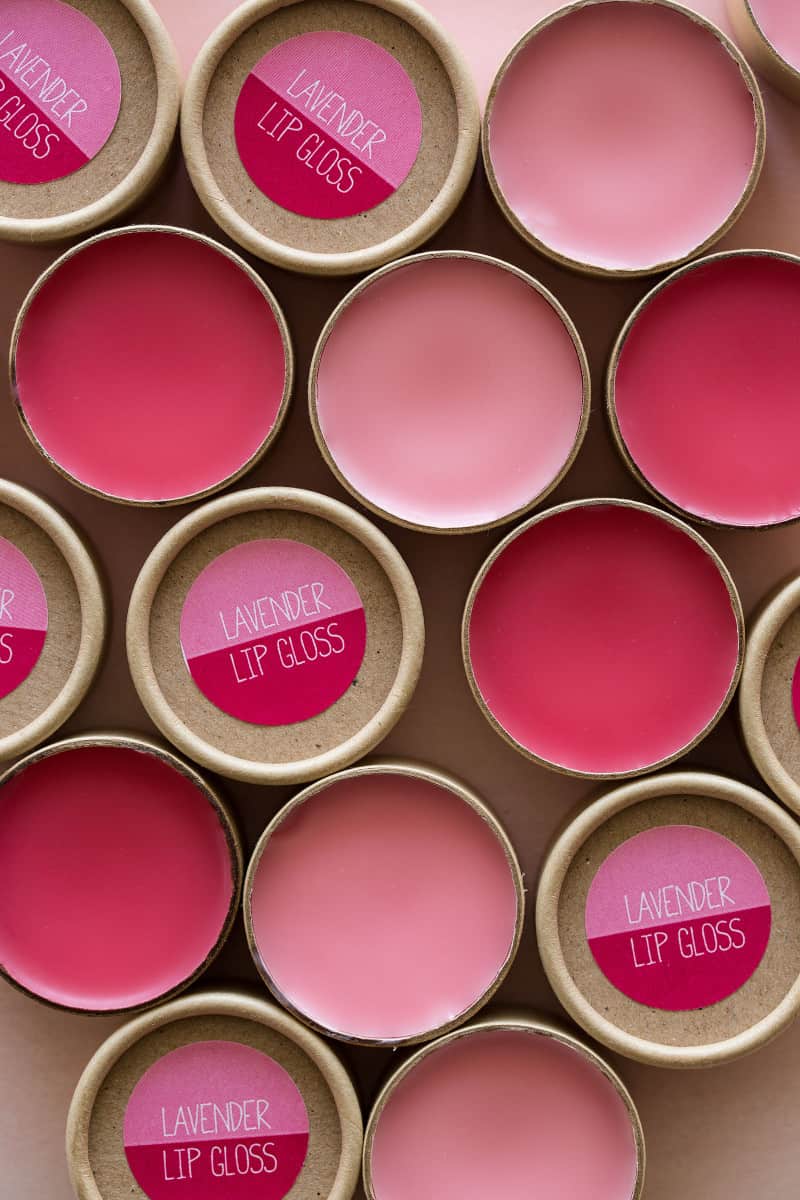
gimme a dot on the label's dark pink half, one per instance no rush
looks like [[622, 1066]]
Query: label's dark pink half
[[288, 676], [18, 154], [796, 692], [19, 654], [250, 1168]]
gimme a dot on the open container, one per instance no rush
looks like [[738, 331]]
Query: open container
[[89, 98], [330, 138], [186, 338], [700, 389], [666, 918], [399, 384], [769, 695], [274, 635], [603, 638], [52, 619], [509, 1105], [121, 873], [216, 1095], [769, 34], [622, 137], [358, 883]]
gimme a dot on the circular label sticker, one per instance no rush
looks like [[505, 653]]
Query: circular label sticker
[[23, 617], [216, 1121], [796, 692], [328, 124], [678, 917], [273, 631], [60, 90]]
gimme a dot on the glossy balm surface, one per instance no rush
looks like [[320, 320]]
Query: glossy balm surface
[[383, 906], [450, 393], [504, 1114], [705, 390], [116, 874], [603, 639], [150, 367], [622, 136], [780, 23]]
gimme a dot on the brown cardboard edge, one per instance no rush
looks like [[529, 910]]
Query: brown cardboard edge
[[593, 502], [255, 279], [769, 621], [94, 620], [611, 375], [760, 52], [413, 770], [145, 745], [138, 635], [554, 871], [515, 1020], [227, 1003], [411, 261], [593, 269], [349, 262], [146, 172]]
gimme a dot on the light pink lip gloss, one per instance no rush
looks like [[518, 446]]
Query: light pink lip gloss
[[623, 137], [384, 904], [449, 392], [121, 871], [702, 389], [603, 638], [507, 1107]]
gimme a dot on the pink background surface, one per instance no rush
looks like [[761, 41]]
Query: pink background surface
[[726, 1134]]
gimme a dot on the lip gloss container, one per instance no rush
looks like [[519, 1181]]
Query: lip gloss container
[[769, 34]]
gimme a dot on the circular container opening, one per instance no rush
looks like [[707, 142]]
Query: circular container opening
[[779, 21], [151, 366], [603, 638], [391, 879], [701, 390], [623, 137], [119, 877], [479, 421], [509, 1112]]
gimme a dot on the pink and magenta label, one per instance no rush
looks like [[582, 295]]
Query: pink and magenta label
[[23, 617], [678, 917], [273, 631], [328, 124], [216, 1121], [60, 90], [796, 692]]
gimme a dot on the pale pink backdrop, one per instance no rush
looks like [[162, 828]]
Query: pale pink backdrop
[[728, 1134]]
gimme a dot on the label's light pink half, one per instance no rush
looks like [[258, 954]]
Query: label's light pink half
[[706, 390], [504, 1114], [603, 639], [450, 393], [150, 366], [623, 135], [383, 907], [780, 23], [116, 878]]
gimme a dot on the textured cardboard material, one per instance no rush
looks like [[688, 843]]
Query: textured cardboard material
[[751, 84], [95, 1151], [255, 279], [514, 1021], [767, 717], [422, 203], [760, 52], [415, 771], [130, 162], [754, 1014], [308, 749], [495, 554], [357, 291], [147, 745], [76, 620]]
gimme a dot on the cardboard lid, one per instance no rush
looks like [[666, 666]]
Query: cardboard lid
[[322, 739], [55, 681], [759, 50], [96, 1155], [130, 161], [763, 837], [333, 242]]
